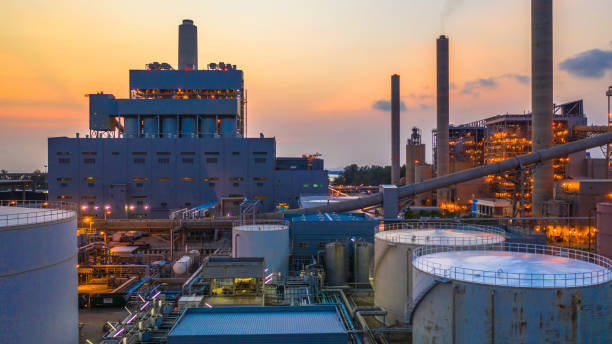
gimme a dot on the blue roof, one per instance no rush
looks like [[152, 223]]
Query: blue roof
[[258, 322], [322, 217]]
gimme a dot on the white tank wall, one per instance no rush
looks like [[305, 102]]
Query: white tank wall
[[38, 283], [604, 229], [461, 312], [273, 245], [393, 277]]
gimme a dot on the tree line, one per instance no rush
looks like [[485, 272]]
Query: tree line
[[366, 175]]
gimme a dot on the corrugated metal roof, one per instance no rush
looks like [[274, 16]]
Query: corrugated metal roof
[[251, 324], [330, 217]]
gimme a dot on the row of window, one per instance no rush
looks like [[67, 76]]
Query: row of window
[[158, 153], [159, 160], [144, 197], [166, 179]]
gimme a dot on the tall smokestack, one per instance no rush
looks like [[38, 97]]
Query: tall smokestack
[[542, 99], [188, 45], [442, 159], [395, 129]]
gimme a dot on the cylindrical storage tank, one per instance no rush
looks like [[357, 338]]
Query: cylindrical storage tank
[[228, 127], [270, 241], [130, 129], [394, 281], [169, 127], [182, 265], [208, 126], [336, 263], [515, 293], [38, 275], [604, 229], [363, 261], [149, 127], [188, 127]]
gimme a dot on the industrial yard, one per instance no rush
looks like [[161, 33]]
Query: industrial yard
[[168, 224]]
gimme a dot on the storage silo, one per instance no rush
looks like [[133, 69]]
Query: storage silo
[[393, 247], [336, 263], [188, 127], [270, 241], [519, 293], [228, 127], [130, 129], [209, 126], [38, 276], [362, 263], [169, 127], [150, 128]]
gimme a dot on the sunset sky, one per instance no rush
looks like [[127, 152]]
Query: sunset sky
[[314, 70]]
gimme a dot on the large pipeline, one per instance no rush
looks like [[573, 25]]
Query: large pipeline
[[464, 176]]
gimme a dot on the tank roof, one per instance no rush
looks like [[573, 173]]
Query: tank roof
[[11, 216], [441, 236], [516, 265]]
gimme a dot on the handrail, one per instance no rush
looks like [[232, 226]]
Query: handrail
[[515, 279], [408, 233], [49, 211]]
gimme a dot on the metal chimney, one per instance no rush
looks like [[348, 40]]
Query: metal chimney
[[442, 158], [542, 99], [188, 45], [395, 129]]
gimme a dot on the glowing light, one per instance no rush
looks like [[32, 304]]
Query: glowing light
[[156, 295], [144, 306], [107, 207], [208, 305], [132, 318], [118, 332], [84, 207]]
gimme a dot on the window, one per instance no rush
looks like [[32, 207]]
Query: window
[[236, 185], [239, 179], [321, 245], [260, 197], [138, 185], [115, 153], [139, 161], [140, 197], [64, 160], [211, 160], [64, 185], [88, 197], [235, 153], [260, 184], [211, 153], [89, 153], [163, 204], [236, 195], [260, 153], [163, 179], [315, 185], [91, 185], [305, 185], [187, 179], [89, 161], [63, 153], [139, 153], [89, 179], [163, 160], [187, 160], [140, 179], [212, 185], [64, 179], [260, 160], [187, 153], [64, 197], [302, 245], [207, 179], [260, 178], [188, 204], [164, 153]]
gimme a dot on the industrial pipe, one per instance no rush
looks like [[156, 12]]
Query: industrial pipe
[[464, 176]]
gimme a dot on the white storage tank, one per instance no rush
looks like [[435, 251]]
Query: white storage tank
[[38, 275], [270, 241], [519, 293], [336, 263], [393, 278]]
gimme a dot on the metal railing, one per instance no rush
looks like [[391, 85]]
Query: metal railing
[[32, 212], [262, 223], [417, 233], [600, 271]]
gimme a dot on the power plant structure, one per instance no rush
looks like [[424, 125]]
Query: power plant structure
[[395, 129], [415, 155], [176, 147], [442, 104]]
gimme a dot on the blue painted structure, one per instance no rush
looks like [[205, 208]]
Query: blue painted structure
[[310, 232], [306, 324]]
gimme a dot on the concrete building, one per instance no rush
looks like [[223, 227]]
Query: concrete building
[[177, 142]]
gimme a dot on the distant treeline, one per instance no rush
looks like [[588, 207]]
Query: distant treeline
[[366, 175]]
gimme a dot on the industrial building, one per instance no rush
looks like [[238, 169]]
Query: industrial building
[[178, 142]]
